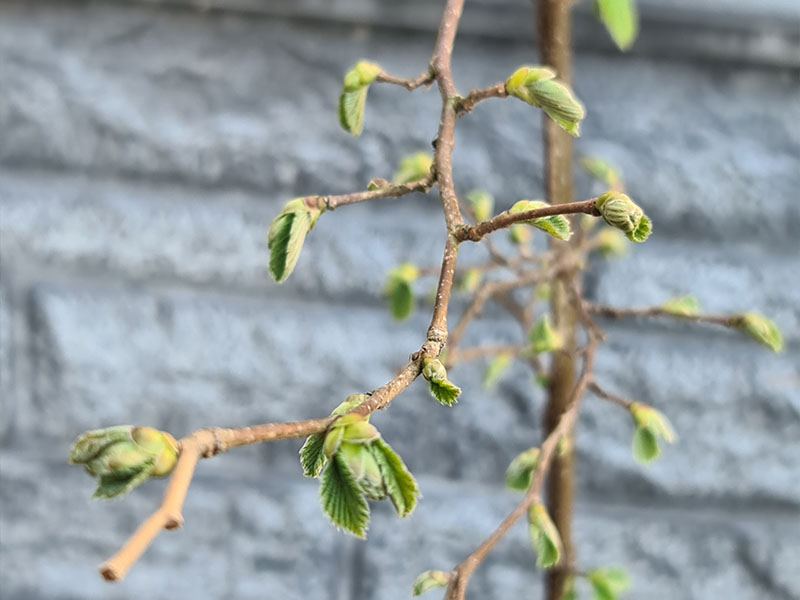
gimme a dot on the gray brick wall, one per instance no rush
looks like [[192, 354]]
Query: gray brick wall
[[144, 150]]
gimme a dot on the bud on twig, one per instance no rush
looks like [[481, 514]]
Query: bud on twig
[[760, 328], [619, 211], [537, 86]]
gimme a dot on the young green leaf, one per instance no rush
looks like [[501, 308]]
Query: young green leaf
[[364, 468], [763, 330], [518, 474], [413, 167], [543, 337], [342, 499], [399, 292], [332, 441], [620, 19], [650, 426], [682, 306], [445, 392], [603, 171], [400, 484], [428, 580], [469, 281], [481, 203], [496, 367], [519, 235], [537, 86], [619, 211], [556, 225], [312, 458], [610, 242], [354, 95], [645, 445], [544, 536], [569, 592], [607, 583], [287, 232]]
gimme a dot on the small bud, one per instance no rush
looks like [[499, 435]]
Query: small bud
[[556, 225], [545, 537], [650, 426], [481, 203], [286, 236], [537, 86], [433, 370], [761, 329], [544, 338], [333, 439], [430, 579], [518, 474], [376, 183], [399, 292], [619, 211], [610, 242], [354, 95], [413, 167], [351, 402], [360, 75], [360, 432], [684, 306], [444, 391], [122, 457]]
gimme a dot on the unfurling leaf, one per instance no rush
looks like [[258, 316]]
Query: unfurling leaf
[[619, 211], [496, 367], [413, 167], [469, 281], [445, 392], [123, 457], [287, 232], [555, 225], [333, 440], [569, 592], [650, 426], [537, 86], [761, 329], [400, 484], [608, 583], [620, 19], [684, 306], [428, 580], [342, 498], [399, 292], [544, 536], [312, 457], [481, 203], [354, 95], [544, 338], [610, 242], [603, 171], [518, 474], [377, 183]]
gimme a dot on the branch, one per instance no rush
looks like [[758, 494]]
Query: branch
[[394, 190], [468, 102], [616, 399], [425, 79], [656, 311], [461, 574], [505, 219]]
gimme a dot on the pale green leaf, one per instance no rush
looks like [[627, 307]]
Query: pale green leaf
[[621, 19], [682, 306], [332, 441], [429, 580], [481, 203], [351, 110], [763, 330], [556, 225], [560, 104], [496, 368], [111, 485], [342, 499], [645, 445], [287, 232], [544, 536], [544, 338], [400, 484], [614, 579], [445, 392], [603, 171], [642, 230], [413, 167], [401, 299], [518, 474], [645, 415], [312, 457]]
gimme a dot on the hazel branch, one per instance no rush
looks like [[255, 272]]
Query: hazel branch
[[394, 190], [612, 312], [468, 102], [606, 395], [426, 79]]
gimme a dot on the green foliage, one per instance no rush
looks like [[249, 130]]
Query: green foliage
[[445, 392], [544, 537], [619, 211], [610, 242], [621, 20], [538, 87], [124, 456], [556, 225], [333, 439], [608, 583], [400, 484], [413, 167], [763, 330], [684, 306], [469, 281], [399, 291], [287, 232], [428, 580], [651, 425], [312, 457], [544, 338], [354, 95], [496, 367], [481, 204], [569, 592], [519, 235], [603, 171], [342, 499], [518, 474]]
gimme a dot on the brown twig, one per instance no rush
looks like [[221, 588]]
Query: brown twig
[[612, 312], [393, 190], [425, 79], [615, 398], [468, 102]]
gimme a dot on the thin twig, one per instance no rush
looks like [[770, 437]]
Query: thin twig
[[657, 311], [425, 79], [393, 190], [605, 395], [468, 102]]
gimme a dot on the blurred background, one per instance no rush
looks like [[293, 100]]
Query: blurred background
[[144, 149]]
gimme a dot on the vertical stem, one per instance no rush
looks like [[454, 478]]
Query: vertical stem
[[555, 41]]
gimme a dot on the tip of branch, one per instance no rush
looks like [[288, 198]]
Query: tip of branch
[[109, 573]]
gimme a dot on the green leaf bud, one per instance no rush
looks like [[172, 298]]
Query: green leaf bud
[[413, 167], [428, 580], [607, 583], [360, 432], [603, 171], [620, 19], [518, 474], [481, 203], [651, 425], [619, 211], [544, 338], [763, 330], [611, 242], [544, 536], [353, 98], [364, 468], [333, 439], [496, 367], [399, 292], [537, 86], [286, 236], [377, 183], [444, 391], [556, 225], [685, 306]]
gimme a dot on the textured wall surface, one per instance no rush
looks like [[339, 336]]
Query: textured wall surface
[[143, 152]]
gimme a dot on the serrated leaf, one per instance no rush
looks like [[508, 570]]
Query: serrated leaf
[[342, 499], [413, 167], [495, 368], [603, 171], [351, 110], [400, 484], [518, 473], [559, 103], [481, 203], [556, 225], [428, 580], [642, 230], [445, 392], [112, 485], [620, 18], [287, 232], [312, 457], [645, 445], [763, 330], [683, 306], [544, 536]]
